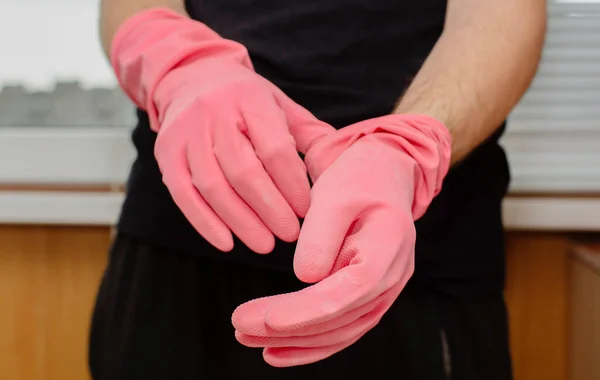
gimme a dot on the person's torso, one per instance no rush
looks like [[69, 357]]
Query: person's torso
[[345, 61]]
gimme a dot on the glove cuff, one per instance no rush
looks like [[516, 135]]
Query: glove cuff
[[151, 43], [422, 138]]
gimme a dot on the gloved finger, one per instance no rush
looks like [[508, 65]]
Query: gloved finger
[[303, 125], [247, 176], [249, 319], [378, 255], [326, 338], [226, 203], [276, 149], [324, 229], [322, 302], [178, 180], [296, 356], [285, 356]]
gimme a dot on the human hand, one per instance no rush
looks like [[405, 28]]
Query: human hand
[[373, 179], [224, 144]]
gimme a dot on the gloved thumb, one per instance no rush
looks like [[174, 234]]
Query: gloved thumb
[[304, 126]]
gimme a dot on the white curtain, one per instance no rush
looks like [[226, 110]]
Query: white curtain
[[553, 139]]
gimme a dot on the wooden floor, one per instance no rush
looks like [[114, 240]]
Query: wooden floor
[[49, 277]]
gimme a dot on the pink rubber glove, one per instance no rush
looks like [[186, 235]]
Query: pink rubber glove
[[373, 179], [224, 145]]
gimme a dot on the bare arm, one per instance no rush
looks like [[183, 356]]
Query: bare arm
[[114, 12], [479, 69]]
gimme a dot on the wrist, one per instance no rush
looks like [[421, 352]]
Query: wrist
[[154, 42], [418, 143], [113, 13]]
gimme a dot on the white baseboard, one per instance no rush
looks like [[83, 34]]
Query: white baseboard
[[85, 208], [59, 208], [552, 214]]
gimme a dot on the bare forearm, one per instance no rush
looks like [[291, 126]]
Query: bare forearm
[[114, 12], [479, 69]]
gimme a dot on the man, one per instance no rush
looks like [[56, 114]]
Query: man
[[395, 107]]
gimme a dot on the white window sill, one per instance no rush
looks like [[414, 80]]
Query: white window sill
[[541, 163]]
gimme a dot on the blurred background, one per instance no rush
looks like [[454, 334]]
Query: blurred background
[[65, 153]]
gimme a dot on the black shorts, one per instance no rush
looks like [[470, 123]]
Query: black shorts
[[167, 315]]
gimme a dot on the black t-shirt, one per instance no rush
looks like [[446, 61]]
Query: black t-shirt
[[345, 61]]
